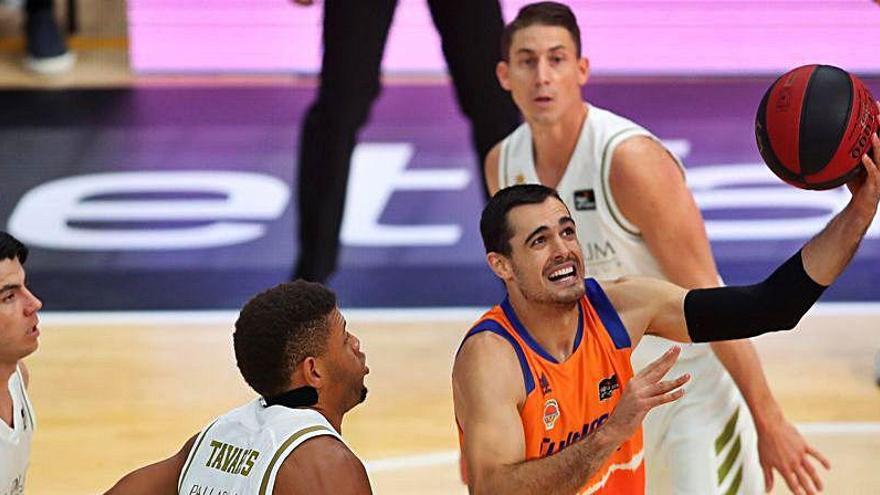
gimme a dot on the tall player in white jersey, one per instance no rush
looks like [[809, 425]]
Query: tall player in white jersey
[[635, 216], [292, 347], [18, 339]]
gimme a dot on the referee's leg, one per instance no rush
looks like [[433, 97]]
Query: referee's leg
[[354, 38], [471, 34]]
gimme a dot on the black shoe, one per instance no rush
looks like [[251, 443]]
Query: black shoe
[[47, 51]]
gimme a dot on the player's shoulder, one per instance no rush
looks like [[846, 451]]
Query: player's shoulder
[[641, 163], [327, 452], [322, 463], [639, 146], [487, 347], [485, 340]]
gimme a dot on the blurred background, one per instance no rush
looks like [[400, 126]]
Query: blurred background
[[150, 165]]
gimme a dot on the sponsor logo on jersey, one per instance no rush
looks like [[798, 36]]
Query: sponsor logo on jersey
[[551, 413], [549, 446], [594, 251], [584, 200], [607, 387]]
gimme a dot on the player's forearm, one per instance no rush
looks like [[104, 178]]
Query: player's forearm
[[744, 366], [827, 254], [739, 312], [563, 473]]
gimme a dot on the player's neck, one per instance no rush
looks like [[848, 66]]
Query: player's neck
[[331, 415], [6, 370], [553, 144], [553, 326]]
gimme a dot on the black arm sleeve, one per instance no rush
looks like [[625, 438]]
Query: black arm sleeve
[[777, 303]]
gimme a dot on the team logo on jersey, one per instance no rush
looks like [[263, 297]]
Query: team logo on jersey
[[607, 387], [519, 179], [551, 413], [545, 384], [584, 200]]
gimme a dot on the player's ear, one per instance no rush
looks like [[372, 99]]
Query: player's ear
[[312, 372], [501, 72], [583, 70], [500, 265]]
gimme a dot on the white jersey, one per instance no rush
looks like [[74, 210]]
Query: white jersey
[[241, 452], [613, 247], [15, 441]]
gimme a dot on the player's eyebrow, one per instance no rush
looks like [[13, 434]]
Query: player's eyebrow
[[535, 232], [10, 287]]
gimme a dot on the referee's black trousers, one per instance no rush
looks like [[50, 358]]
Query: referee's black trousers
[[354, 38]]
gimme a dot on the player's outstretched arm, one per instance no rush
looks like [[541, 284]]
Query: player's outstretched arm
[[651, 193], [156, 479], [488, 391], [777, 303]]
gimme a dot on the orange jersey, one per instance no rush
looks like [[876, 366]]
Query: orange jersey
[[568, 401]]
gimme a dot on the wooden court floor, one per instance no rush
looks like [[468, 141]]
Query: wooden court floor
[[112, 396]]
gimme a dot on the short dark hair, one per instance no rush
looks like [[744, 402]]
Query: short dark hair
[[12, 249], [544, 14], [277, 329], [494, 226]]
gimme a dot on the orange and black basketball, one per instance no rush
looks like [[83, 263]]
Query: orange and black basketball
[[814, 124]]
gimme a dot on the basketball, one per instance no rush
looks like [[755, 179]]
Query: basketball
[[814, 124]]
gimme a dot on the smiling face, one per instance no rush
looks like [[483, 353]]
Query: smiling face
[[544, 74], [18, 314], [545, 264]]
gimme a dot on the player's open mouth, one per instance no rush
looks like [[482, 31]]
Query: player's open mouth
[[543, 99], [562, 274], [34, 330]]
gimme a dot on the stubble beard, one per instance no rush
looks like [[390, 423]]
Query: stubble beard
[[547, 297]]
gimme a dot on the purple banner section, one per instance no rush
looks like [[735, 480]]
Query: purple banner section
[[620, 37], [176, 198]]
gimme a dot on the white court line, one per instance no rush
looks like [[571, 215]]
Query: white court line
[[443, 458], [450, 457], [840, 428], [377, 315]]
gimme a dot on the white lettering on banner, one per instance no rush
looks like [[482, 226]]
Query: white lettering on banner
[[47, 215], [751, 186], [377, 170], [42, 217]]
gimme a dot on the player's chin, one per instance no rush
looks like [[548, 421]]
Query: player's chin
[[568, 295]]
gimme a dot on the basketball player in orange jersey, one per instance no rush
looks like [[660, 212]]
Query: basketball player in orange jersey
[[635, 216], [546, 400]]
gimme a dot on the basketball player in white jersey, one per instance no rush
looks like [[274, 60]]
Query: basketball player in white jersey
[[293, 348], [18, 339], [635, 216]]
